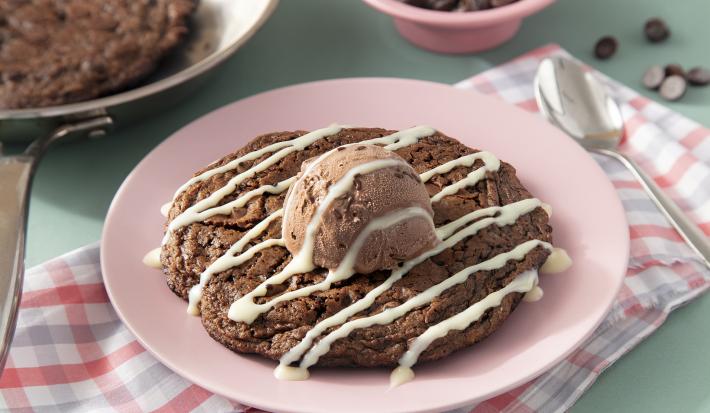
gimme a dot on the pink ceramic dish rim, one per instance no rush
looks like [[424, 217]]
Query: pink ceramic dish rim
[[519, 9]]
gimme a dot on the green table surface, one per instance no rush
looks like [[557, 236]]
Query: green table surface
[[320, 39]]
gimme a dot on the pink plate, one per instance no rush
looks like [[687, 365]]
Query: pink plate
[[588, 221]]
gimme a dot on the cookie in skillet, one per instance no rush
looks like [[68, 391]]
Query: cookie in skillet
[[54, 52]]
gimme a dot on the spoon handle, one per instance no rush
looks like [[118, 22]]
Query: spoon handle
[[690, 232], [15, 178]]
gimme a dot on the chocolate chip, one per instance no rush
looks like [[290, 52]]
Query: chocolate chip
[[675, 69], [440, 5], [656, 30], [458, 5], [473, 5], [443, 5], [699, 76], [673, 88], [606, 47], [16, 76], [653, 77]]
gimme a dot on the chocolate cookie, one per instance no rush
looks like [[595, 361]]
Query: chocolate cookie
[[54, 52], [190, 248]]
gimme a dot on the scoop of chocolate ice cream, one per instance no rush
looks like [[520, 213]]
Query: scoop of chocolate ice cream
[[361, 199]]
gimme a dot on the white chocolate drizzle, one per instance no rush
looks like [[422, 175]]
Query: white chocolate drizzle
[[230, 260], [521, 284], [245, 307], [300, 142], [490, 164], [308, 353], [165, 208], [558, 261], [344, 271], [393, 141], [205, 208], [194, 213], [399, 376], [548, 209], [533, 295], [152, 258], [282, 372], [506, 215]]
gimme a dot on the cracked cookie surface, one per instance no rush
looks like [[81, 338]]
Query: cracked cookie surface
[[190, 249]]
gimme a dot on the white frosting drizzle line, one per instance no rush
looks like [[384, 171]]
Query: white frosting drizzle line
[[558, 261], [233, 164], [205, 208], [227, 208], [242, 200], [191, 214], [491, 163], [507, 215], [165, 208], [521, 284], [467, 160], [303, 261], [152, 258], [533, 295], [346, 268], [393, 313], [402, 138], [406, 137], [418, 132], [229, 260]]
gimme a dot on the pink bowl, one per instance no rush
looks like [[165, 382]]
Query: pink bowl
[[454, 32]]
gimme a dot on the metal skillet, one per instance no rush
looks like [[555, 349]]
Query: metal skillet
[[219, 28]]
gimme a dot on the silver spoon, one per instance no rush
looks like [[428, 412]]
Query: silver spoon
[[577, 102]]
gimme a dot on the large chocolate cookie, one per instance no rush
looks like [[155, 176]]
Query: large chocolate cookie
[[190, 249], [54, 52]]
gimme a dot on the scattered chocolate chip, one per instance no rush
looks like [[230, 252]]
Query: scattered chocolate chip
[[606, 47], [653, 77], [656, 30], [673, 88], [675, 69], [699, 76]]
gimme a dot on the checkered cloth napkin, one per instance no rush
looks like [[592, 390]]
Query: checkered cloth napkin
[[72, 353]]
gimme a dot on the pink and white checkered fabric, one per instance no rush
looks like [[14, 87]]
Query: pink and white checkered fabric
[[72, 353]]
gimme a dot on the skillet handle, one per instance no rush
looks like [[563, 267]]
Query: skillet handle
[[15, 179]]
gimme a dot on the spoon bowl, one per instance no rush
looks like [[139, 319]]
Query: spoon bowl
[[577, 102]]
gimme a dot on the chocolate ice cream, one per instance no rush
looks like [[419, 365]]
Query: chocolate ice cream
[[374, 194]]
